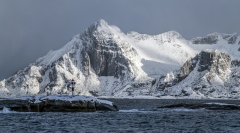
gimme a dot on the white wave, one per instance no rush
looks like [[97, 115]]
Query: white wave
[[130, 111], [217, 103], [139, 111], [186, 109], [6, 110]]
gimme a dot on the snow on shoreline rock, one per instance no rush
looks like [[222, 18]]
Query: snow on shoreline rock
[[57, 104]]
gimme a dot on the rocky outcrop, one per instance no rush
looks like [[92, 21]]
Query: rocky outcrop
[[199, 76], [209, 39], [214, 61], [231, 38], [57, 104], [207, 106], [167, 37], [173, 78], [235, 63], [214, 38]]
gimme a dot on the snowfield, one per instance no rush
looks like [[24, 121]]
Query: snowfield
[[38, 99]]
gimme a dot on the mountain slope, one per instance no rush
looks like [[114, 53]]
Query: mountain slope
[[106, 62], [206, 75], [98, 59]]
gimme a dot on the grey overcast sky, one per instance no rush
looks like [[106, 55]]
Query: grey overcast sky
[[31, 28]]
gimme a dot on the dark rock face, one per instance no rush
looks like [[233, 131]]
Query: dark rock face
[[213, 61], [213, 39], [204, 106], [150, 82], [187, 68], [85, 63], [216, 63], [104, 53], [231, 38], [235, 63], [210, 39], [106, 63]]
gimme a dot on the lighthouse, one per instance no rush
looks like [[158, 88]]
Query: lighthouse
[[72, 86]]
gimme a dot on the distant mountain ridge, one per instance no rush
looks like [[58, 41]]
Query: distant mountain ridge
[[106, 62]]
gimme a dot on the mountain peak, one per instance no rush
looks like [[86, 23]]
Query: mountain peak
[[173, 34], [99, 25], [101, 22]]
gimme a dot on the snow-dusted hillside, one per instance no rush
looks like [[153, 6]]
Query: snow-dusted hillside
[[106, 62]]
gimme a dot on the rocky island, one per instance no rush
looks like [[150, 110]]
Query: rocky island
[[57, 104]]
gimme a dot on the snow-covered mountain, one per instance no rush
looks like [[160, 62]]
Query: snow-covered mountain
[[106, 62]]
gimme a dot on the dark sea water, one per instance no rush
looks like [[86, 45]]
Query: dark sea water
[[135, 115]]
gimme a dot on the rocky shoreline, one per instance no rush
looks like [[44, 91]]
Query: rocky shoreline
[[207, 106], [57, 104]]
